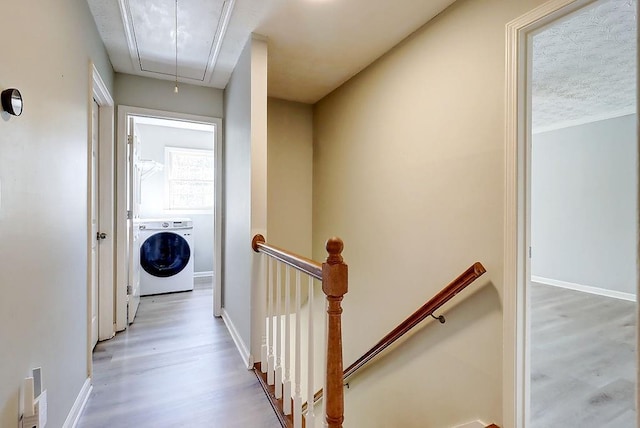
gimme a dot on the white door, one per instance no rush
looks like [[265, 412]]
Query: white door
[[94, 233], [133, 290]]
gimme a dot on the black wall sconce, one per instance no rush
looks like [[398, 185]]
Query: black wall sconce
[[12, 101]]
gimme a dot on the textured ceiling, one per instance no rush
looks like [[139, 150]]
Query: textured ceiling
[[585, 65], [314, 45]]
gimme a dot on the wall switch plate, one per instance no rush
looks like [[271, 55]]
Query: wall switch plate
[[32, 421], [34, 402], [39, 417], [41, 409]]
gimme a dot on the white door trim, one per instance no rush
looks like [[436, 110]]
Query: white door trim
[[106, 329], [121, 218], [99, 92], [517, 131]]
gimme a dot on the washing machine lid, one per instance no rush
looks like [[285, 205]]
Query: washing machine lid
[[164, 254], [165, 223]]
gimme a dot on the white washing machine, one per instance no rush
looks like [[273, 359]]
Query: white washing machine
[[166, 255]]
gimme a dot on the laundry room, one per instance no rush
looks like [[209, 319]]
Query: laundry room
[[176, 168]]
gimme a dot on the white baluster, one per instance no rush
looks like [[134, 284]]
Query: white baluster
[[286, 404], [278, 384], [264, 350], [297, 398], [310, 415], [270, 358]]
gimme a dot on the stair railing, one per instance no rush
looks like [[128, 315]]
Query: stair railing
[[276, 348], [425, 311]]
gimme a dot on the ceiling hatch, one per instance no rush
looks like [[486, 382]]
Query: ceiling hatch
[[150, 29]]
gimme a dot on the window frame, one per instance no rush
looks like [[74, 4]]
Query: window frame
[[168, 150]]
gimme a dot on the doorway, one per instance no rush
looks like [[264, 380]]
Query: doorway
[[100, 210], [161, 144], [94, 230], [571, 219]]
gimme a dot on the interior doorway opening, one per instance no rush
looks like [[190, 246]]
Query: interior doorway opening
[[571, 215], [170, 229], [582, 276], [100, 215]]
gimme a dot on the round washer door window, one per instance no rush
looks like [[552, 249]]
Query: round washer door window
[[164, 254]]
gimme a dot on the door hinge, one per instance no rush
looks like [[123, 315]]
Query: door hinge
[[529, 252], [129, 139], [129, 290], [129, 215]]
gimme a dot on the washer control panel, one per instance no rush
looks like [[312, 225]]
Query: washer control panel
[[160, 224]]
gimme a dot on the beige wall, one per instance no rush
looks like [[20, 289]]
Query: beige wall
[[408, 170], [290, 166], [43, 200], [138, 91]]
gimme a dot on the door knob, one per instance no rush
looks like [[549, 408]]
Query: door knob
[[101, 235]]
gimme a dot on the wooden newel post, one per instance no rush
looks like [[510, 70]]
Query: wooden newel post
[[334, 286]]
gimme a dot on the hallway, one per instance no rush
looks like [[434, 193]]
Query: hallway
[[176, 366]]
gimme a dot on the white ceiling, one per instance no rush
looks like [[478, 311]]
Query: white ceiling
[[314, 45], [584, 67]]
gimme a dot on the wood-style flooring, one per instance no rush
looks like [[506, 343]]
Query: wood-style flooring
[[176, 366], [583, 360]]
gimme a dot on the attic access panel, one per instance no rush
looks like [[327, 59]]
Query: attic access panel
[[150, 27]]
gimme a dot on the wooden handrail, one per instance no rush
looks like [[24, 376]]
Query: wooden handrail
[[426, 310], [437, 301], [303, 264]]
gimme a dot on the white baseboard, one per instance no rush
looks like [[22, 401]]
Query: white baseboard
[[203, 277], [585, 288], [474, 424], [203, 274], [242, 347], [78, 406]]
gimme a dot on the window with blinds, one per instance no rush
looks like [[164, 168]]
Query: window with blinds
[[189, 175]]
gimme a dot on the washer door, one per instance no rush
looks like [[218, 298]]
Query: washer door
[[164, 254]]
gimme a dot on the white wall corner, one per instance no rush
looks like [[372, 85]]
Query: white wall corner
[[259, 37], [258, 299], [247, 358], [474, 424], [78, 406]]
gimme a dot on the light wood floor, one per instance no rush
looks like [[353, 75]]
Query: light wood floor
[[583, 360], [176, 366]]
